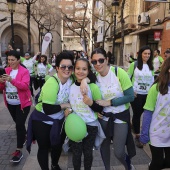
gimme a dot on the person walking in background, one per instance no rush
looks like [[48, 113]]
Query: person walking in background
[[53, 60], [157, 62], [156, 120], [167, 53], [43, 68], [142, 76], [46, 121], [110, 57], [85, 106], [130, 58], [15, 84], [117, 91], [29, 63], [10, 48]]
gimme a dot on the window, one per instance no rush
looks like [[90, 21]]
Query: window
[[150, 5], [79, 5], [69, 7], [68, 32], [79, 13]]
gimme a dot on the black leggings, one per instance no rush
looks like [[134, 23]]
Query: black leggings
[[41, 81], [85, 147], [31, 85], [160, 158], [41, 133], [19, 116], [137, 107]]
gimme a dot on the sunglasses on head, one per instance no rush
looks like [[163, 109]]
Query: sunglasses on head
[[63, 67], [101, 61]]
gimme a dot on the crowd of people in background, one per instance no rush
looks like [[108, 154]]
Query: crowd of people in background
[[101, 94]]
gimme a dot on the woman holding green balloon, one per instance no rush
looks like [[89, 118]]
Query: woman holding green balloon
[[84, 106], [46, 121]]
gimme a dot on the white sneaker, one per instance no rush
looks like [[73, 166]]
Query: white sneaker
[[132, 167]]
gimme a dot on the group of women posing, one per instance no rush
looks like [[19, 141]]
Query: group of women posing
[[104, 99]]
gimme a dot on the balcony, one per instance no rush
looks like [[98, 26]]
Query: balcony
[[96, 12], [129, 26]]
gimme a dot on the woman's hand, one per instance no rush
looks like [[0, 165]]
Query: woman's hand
[[135, 94], [84, 86], [100, 115], [87, 100], [38, 53], [6, 77], [65, 106], [68, 111], [104, 103]]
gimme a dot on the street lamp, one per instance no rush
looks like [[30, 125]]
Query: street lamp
[[11, 8], [115, 5], [93, 32], [41, 35]]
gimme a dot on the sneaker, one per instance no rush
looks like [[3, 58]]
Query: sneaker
[[149, 165], [132, 167], [17, 156], [57, 167], [137, 143]]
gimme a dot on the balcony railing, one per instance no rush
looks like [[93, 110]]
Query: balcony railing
[[130, 24]]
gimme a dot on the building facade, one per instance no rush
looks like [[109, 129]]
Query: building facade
[[21, 34], [145, 23]]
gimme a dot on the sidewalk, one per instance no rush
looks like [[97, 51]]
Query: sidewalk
[[29, 162]]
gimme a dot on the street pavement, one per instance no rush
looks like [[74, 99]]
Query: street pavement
[[29, 161]]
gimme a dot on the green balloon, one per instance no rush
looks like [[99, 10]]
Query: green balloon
[[75, 127]]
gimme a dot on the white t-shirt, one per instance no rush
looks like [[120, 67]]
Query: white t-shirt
[[110, 88], [143, 79], [29, 64], [159, 132], [78, 106], [11, 91], [156, 63]]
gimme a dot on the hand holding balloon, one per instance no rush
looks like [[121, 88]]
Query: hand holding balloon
[[75, 127]]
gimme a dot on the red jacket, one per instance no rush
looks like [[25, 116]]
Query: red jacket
[[21, 82]]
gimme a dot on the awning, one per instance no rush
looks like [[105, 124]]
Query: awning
[[147, 30]]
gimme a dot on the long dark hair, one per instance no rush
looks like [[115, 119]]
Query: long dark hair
[[45, 61], [164, 77], [91, 75], [140, 61]]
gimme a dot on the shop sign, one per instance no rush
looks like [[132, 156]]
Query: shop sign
[[157, 35]]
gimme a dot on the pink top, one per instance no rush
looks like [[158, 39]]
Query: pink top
[[21, 82]]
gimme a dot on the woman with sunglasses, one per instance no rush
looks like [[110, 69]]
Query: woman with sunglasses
[[46, 121], [117, 92], [84, 105], [142, 77]]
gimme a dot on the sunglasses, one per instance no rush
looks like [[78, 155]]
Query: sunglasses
[[101, 61], [63, 67]]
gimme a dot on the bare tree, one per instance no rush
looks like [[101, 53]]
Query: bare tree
[[79, 24], [122, 31], [46, 15], [28, 4]]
